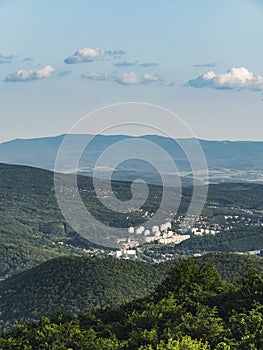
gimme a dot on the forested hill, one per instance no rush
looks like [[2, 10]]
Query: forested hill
[[231, 266], [75, 285], [193, 309]]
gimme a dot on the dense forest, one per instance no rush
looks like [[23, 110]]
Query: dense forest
[[234, 240], [193, 309], [75, 285], [31, 220]]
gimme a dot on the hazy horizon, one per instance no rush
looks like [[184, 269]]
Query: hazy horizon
[[130, 135]]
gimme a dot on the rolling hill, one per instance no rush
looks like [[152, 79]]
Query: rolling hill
[[31, 222], [75, 285]]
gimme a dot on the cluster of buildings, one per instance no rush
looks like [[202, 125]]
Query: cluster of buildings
[[232, 221], [130, 254], [197, 231], [167, 238], [154, 231], [203, 225], [162, 234]]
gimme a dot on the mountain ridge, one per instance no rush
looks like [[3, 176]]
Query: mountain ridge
[[228, 161]]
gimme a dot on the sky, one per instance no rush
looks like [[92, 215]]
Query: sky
[[62, 59]]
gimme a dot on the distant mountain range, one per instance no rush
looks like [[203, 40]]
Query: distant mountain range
[[228, 161]]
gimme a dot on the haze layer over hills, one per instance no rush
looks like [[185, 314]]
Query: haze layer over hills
[[228, 161]]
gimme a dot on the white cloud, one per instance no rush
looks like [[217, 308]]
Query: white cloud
[[89, 54], [236, 78], [24, 75], [123, 78], [127, 78], [131, 78], [150, 77]]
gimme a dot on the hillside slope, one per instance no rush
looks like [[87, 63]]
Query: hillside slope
[[192, 309], [75, 285], [31, 221]]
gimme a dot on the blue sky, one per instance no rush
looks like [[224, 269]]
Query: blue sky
[[61, 59]]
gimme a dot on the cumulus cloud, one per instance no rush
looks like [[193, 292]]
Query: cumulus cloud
[[123, 78], [6, 59], [89, 54], [132, 78], [236, 78], [127, 78], [36, 74], [150, 78]]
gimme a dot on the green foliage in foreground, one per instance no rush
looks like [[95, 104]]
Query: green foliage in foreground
[[194, 309], [77, 285]]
